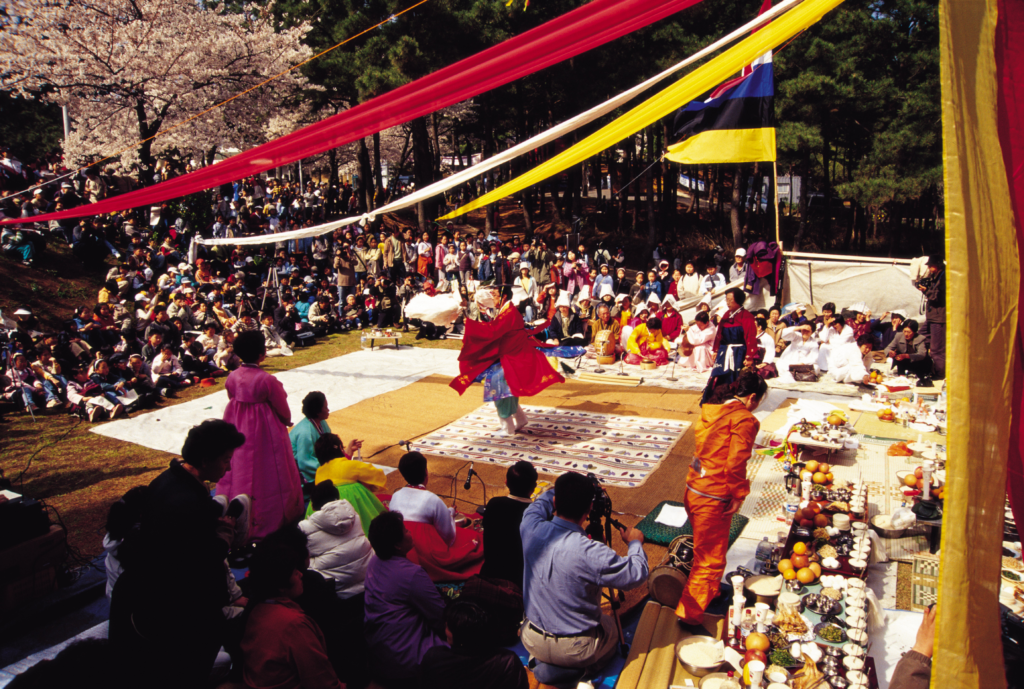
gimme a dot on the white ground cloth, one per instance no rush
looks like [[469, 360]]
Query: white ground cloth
[[882, 286], [346, 380]]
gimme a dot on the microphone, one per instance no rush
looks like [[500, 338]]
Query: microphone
[[469, 478]]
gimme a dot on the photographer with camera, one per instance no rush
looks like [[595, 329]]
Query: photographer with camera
[[564, 573]]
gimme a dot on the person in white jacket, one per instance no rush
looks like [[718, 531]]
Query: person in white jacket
[[851, 362], [831, 337], [167, 369], [802, 349], [338, 548]]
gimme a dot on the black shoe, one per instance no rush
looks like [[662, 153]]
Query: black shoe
[[925, 382]]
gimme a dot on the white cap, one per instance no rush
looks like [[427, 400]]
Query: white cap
[[706, 299], [654, 298], [184, 266], [141, 296], [741, 251], [606, 291], [563, 300], [670, 301], [525, 264], [584, 293], [22, 312], [898, 312], [859, 307]]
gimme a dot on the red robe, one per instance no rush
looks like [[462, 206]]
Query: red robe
[[743, 319], [505, 339]]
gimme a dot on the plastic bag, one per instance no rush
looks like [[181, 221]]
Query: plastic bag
[[903, 518]]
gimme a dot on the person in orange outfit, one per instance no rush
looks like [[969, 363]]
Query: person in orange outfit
[[717, 484]]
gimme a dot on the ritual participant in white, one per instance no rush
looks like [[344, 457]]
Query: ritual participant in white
[[713, 281], [698, 339], [834, 335], [802, 349], [529, 288], [851, 362]]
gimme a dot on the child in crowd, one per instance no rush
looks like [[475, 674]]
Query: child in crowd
[[167, 369], [276, 346], [226, 357]]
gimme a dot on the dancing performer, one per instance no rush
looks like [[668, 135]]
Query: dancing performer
[[505, 356], [735, 343]]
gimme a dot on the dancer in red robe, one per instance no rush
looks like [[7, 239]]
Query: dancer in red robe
[[504, 354]]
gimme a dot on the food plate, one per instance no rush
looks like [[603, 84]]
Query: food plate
[[923, 427], [919, 447], [822, 625], [823, 605]]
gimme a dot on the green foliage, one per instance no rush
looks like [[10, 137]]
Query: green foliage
[[31, 128]]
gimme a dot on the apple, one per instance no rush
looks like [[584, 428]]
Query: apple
[[919, 472], [754, 654]]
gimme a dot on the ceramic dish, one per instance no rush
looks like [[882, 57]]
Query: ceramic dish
[[854, 650], [857, 677], [858, 636], [822, 625], [853, 663]]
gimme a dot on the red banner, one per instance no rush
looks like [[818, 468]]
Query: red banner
[[590, 26]]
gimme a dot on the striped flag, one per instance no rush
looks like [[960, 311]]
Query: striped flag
[[735, 125]]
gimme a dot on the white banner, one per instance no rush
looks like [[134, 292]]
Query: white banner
[[882, 286]]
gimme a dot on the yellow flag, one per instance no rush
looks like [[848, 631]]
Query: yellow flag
[[702, 79]]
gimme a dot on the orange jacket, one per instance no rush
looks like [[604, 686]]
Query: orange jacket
[[724, 440]]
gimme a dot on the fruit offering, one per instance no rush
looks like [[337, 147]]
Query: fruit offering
[[886, 414]]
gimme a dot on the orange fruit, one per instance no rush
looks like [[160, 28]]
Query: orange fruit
[[799, 561], [830, 477], [816, 568], [818, 477], [789, 573], [824, 468], [805, 575], [910, 480], [799, 548], [811, 466], [786, 566]]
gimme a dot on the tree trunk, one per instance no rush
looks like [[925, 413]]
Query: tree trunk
[[805, 183], [422, 166], [734, 212], [378, 176], [365, 177]]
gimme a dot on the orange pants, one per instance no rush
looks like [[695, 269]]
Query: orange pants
[[710, 544]]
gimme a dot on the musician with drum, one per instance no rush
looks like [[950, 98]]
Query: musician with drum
[[605, 333]]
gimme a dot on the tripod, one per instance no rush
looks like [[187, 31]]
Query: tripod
[[599, 528], [272, 280]]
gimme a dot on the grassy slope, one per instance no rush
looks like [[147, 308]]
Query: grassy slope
[[56, 458]]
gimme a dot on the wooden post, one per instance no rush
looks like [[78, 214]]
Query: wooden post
[[775, 185]]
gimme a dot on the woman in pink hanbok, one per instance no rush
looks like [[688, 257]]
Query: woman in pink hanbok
[[702, 336], [264, 467]]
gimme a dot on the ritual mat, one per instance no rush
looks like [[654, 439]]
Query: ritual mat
[[663, 534], [621, 450], [825, 385], [686, 379]]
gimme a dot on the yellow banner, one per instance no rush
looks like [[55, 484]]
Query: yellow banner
[[725, 146], [700, 81], [982, 283]]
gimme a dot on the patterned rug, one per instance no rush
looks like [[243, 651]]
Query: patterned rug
[[622, 450]]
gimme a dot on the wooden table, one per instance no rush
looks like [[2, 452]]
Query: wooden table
[[373, 339]]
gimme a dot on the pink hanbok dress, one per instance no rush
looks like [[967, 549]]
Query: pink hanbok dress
[[703, 356], [264, 467]]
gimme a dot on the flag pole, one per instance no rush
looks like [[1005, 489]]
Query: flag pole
[[775, 174]]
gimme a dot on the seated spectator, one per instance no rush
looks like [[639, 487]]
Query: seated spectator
[[306, 432], [276, 346], [404, 611], [355, 480], [775, 327], [337, 546], [914, 669], [474, 660], [26, 388], [86, 398], [195, 360], [671, 321], [282, 646], [885, 333], [851, 362], [801, 350], [110, 385], [909, 353], [564, 573], [795, 316], [831, 336], [47, 368], [167, 370], [696, 351], [647, 343], [503, 546], [446, 552], [226, 357]]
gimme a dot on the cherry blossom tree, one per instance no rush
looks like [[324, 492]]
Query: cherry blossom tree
[[128, 69]]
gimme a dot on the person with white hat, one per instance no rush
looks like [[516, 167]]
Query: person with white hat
[[695, 345], [794, 315], [738, 270], [671, 320], [529, 287], [523, 371], [566, 328]]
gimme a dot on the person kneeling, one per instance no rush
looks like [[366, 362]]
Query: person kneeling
[[447, 553], [646, 342], [474, 661]]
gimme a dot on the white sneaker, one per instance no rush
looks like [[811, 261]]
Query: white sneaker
[[508, 426], [522, 420], [53, 403]]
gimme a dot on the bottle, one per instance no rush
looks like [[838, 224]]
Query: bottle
[[790, 507], [730, 682], [763, 553]]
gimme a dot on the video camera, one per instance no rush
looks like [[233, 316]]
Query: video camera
[[601, 521]]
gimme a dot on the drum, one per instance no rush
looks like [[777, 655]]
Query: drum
[[685, 346], [666, 582], [604, 348]]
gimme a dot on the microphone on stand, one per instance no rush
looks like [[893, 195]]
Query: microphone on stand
[[469, 478]]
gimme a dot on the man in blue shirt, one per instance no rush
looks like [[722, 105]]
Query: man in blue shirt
[[564, 573]]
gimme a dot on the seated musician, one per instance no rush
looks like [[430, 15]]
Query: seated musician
[[699, 339], [604, 329], [446, 552], [647, 342]]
